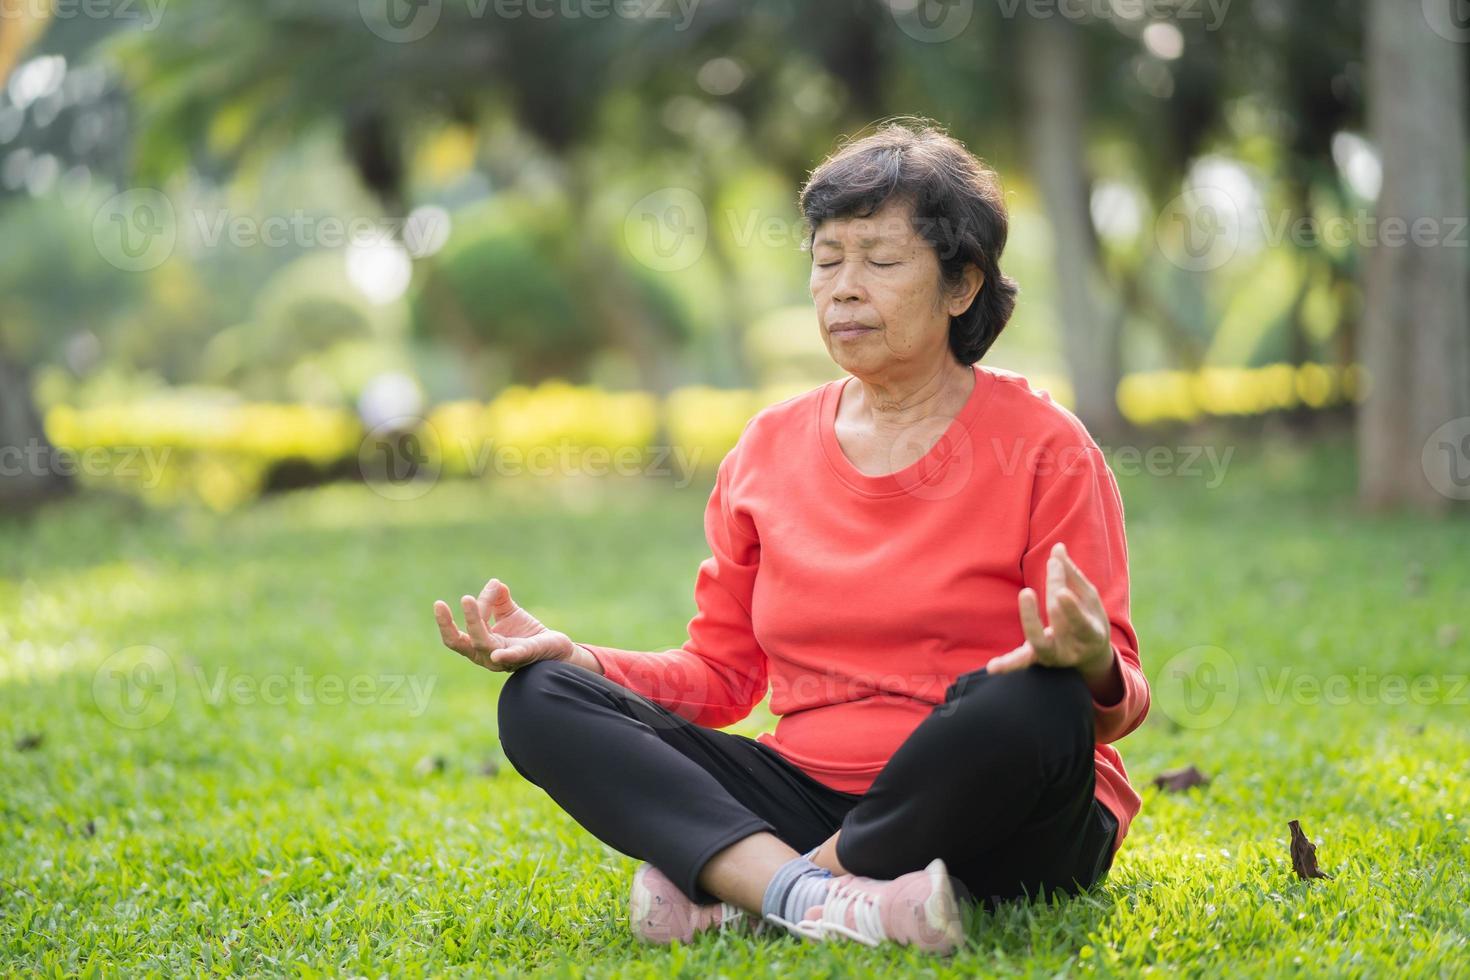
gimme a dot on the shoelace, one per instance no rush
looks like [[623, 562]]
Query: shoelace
[[866, 916], [867, 927], [729, 915]]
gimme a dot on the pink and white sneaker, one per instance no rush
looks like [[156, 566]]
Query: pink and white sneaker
[[660, 913], [917, 909]]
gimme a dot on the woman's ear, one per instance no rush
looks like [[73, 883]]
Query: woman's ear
[[965, 292]]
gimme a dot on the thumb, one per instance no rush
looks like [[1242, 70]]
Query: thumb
[[1022, 656], [519, 652]]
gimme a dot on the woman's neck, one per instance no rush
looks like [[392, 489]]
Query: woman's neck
[[896, 403]]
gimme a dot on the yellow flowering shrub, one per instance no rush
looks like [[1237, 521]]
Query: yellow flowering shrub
[[178, 448]]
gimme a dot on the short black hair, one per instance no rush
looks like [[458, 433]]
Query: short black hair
[[957, 203]]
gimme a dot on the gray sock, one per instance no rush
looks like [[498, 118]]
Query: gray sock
[[797, 886]]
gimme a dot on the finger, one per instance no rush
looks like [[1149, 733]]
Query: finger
[[475, 623], [449, 631], [1079, 623], [1031, 620], [1021, 657], [1078, 582], [1056, 579], [487, 598], [498, 601]]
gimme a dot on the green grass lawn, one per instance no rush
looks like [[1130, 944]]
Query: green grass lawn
[[308, 788]]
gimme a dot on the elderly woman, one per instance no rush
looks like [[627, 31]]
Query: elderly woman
[[923, 562]]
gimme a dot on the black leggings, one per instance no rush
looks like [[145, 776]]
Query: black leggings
[[998, 780]]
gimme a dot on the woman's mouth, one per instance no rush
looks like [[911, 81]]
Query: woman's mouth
[[843, 331]]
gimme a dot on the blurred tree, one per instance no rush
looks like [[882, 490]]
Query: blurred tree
[[226, 87], [1317, 73], [1054, 77], [26, 478], [1416, 335]]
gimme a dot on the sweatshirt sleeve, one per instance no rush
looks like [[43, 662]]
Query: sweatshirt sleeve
[[1075, 500], [719, 674]]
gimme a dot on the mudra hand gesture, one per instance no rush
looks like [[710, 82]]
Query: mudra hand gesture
[[517, 638], [1078, 634]]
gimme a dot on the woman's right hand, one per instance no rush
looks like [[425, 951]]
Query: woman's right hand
[[517, 638]]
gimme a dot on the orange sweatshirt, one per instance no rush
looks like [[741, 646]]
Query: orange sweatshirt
[[858, 599]]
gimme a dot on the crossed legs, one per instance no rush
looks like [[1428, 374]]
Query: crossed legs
[[997, 780]]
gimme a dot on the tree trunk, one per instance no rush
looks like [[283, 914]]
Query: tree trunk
[[1055, 92], [28, 471], [1414, 428]]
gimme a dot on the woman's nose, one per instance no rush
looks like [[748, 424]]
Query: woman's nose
[[848, 283]]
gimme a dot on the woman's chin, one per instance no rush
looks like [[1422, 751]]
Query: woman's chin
[[850, 361]]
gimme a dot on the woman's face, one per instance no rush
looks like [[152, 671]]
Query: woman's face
[[878, 293]]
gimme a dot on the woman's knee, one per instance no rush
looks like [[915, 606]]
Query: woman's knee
[[528, 698], [1039, 702]]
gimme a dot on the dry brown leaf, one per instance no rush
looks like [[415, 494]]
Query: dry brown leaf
[[1304, 854]]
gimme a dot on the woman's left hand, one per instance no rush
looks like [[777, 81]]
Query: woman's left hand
[[1079, 634]]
